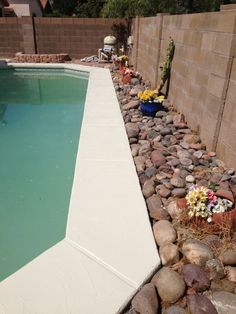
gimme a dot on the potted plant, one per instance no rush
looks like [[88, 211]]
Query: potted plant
[[203, 204], [150, 102]]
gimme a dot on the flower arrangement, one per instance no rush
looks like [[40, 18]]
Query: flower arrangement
[[150, 95], [203, 202]]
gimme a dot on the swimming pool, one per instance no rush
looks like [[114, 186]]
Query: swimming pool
[[108, 249], [41, 113]]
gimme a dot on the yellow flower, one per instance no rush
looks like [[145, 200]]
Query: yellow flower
[[150, 95]]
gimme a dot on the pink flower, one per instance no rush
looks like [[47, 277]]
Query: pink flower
[[211, 196]]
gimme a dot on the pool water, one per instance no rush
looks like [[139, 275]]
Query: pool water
[[40, 118]]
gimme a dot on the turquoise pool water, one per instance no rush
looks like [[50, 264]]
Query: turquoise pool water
[[40, 118]]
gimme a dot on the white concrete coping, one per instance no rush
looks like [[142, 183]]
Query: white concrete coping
[[109, 249]]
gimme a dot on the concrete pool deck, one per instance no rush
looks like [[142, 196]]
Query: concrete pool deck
[[109, 248]]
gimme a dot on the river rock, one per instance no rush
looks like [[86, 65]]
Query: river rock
[[175, 309], [165, 131], [135, 149], [148, 188], [191, 138], [196, 252], [156, 209], [179, 192], [145, 301], [133, 104], [144, 149], [178, 182], [199, 304], [173, 210], [215, 269], [190, 179], [134, 91], [179, 121], [132, 129], [169, 254], [228, 257], [170, 285], [195, 278], [164, 192], [150, 172], [140, 163], [185, 161], [157, 158], [164, 232], [225, 302], [231, 273]]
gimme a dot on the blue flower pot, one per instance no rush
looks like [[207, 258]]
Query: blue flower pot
[[149, 108]]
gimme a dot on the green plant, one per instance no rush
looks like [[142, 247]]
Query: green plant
[[166, 67]]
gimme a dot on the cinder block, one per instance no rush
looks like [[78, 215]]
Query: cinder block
[[216, 85], [223, 44], [220, 65]]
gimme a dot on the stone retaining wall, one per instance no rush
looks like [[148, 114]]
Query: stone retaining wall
[[202, 84], [42, 58]]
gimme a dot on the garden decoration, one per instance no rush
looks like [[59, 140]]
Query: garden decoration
[[210, 206], [126, 74], [150, 102], [166, 67]]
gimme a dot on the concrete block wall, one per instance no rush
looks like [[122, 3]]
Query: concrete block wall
[[76, 36], [201, 71], [226, 145], [11, 36]]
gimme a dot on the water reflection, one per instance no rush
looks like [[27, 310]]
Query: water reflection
[[3, 108], [38, 87]]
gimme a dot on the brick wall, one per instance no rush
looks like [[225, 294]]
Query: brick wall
[[77, 37], [201, 84]]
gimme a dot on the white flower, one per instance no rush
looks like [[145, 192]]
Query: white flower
[[209, 219]]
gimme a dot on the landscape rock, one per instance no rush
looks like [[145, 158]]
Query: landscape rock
[[225, 302], [228, 257], [174, 309], [191, 138], [178, 192], [173, 210], [231, 273], [169, 254], [133, 104], [195, 278], [215, 269], [140, 163], [164, 232], [148, 188], [134, 91], [170, 285], [156, 209], [157, 158], [132, 129], [196, 252], [164, 192], [145, 301], [199, 304], [190, 179], [178, 182]]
